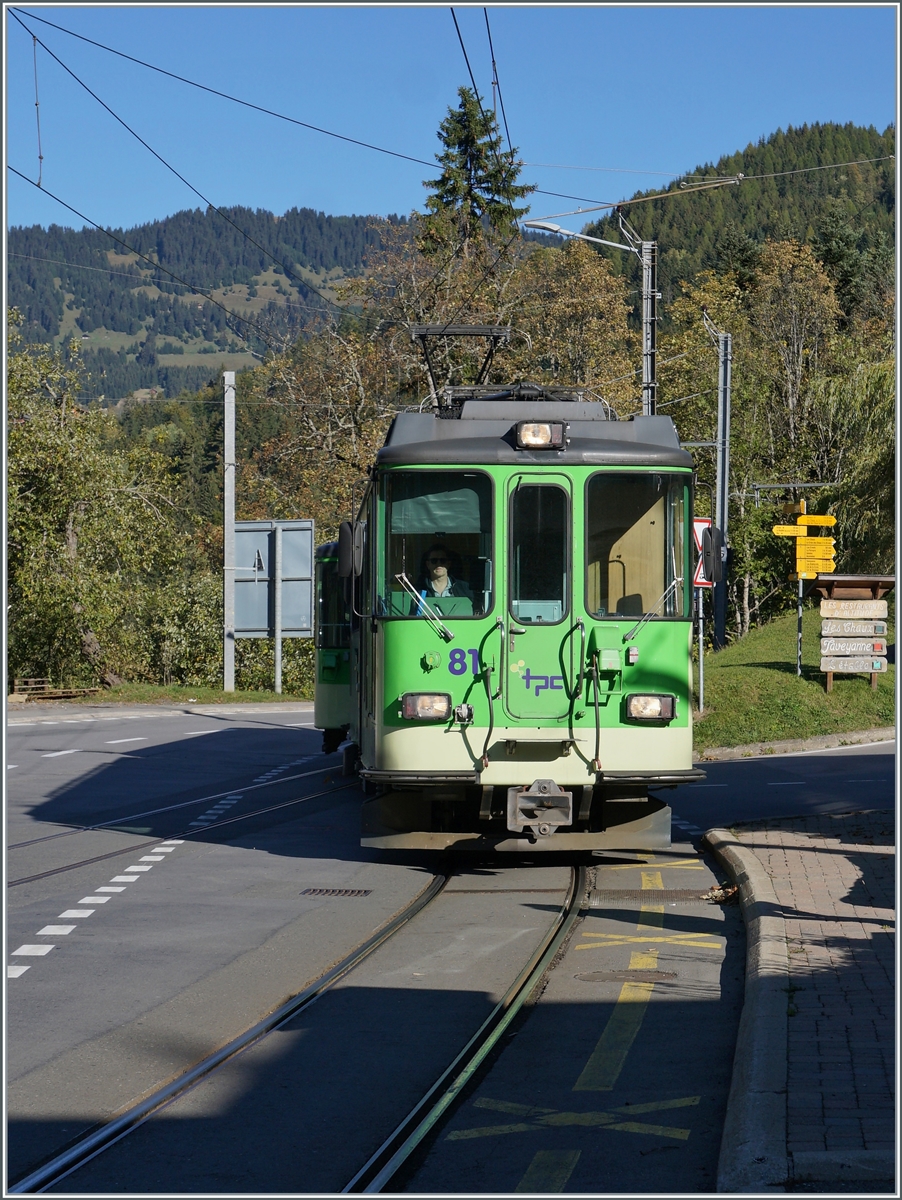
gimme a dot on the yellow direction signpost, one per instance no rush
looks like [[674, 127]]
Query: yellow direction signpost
[[814, 554]]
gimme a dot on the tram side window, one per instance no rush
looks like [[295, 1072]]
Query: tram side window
[[539, 541], [634, 545], [333, 627], [437, 544]]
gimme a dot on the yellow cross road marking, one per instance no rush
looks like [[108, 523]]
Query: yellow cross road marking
[[651, 914], [606, 1060], [548, 1172], [691, 864], [550, 1118], [628, 939]]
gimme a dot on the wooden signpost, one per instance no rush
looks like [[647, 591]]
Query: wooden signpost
[[854, 626], [853, 629]]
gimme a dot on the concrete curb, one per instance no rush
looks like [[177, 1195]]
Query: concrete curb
[[826, 741], [853, 1166], [753, 1156]]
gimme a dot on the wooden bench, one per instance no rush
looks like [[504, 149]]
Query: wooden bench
[[43, 689]]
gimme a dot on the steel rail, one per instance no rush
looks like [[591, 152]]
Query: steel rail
[[183, 833], [150, 812], [98, 1140], [398, 1147]]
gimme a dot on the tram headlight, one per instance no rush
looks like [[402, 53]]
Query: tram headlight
[[540, 435], [650, 708], [426, 706]]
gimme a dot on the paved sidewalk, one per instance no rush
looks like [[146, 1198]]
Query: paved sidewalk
[[818, 893]]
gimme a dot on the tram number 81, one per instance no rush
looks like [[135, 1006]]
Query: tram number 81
[[458, 663]]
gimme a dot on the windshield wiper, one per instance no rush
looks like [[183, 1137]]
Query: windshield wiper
[[628, 637], [432, 617]]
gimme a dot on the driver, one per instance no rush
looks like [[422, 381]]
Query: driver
[[435, 578]]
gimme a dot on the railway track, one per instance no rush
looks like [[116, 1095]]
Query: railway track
[[377, 1173], [437, 1100], [186, 833], [100, 1139]]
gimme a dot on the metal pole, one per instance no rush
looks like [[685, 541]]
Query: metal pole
[[228, 532], [700, 606], [722, 483], [649, 327], [799, 652], [277, 615]]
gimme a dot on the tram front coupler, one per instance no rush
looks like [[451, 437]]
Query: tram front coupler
[[541, 809]]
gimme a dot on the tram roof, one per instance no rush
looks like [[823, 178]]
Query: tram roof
[[485, 432]]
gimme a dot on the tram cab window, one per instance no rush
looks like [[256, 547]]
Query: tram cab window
[[635, 557], [538, 564], [437, 544]]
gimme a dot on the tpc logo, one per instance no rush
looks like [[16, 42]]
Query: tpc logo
[[544, 683]]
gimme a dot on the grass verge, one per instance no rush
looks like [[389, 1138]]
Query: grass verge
[[753, 694]]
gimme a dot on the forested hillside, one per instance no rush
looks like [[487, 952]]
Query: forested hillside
[[143, 330], [779, 197]]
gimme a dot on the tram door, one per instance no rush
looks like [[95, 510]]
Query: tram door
[[539, 652]]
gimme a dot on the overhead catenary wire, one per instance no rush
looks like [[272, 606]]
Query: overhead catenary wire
[[496, 82], [249, 104], [504, 169], [707, 185], [409, 157], [225, 95], [169, 165]]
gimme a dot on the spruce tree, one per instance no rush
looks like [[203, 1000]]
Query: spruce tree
[[477, 190]]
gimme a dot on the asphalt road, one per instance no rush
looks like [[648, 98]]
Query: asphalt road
[[787, 785], [151, 918]]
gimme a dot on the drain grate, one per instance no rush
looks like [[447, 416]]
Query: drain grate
[[626, 976], [336, 892], [637, 898]]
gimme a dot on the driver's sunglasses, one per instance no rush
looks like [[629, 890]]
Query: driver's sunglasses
[[437, 561]]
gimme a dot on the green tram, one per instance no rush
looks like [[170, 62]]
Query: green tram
[[514, 667]]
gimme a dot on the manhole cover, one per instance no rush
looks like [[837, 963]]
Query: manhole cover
[[626, 976], [637, 898], [336, 891]]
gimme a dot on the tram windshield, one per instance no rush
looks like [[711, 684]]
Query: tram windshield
[[437, 544], [635, 553]]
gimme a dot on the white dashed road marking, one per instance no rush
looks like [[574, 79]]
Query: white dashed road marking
[[121, 741], [57, 753], [16, 970]]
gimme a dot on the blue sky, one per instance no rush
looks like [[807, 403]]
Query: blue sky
[[639, 93]]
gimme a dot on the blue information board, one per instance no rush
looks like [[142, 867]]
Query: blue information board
[[264, 593]]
